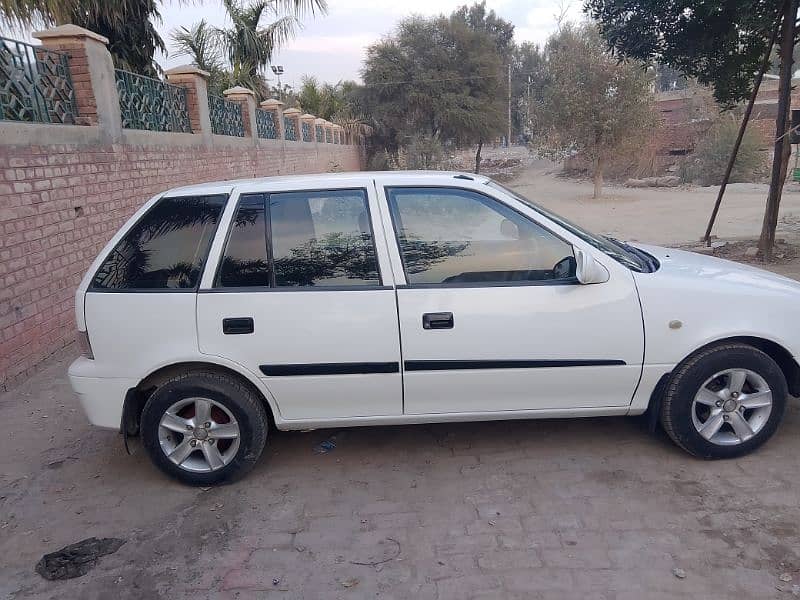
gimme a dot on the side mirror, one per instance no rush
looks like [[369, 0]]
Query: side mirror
[[509, 229], [588, 269]]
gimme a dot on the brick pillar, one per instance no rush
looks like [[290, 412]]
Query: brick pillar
[[309, 120], [247, 100], [293, 114], [276, 108], [92, 74], [194, 80]]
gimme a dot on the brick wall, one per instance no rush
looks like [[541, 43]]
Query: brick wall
[[61, 202]]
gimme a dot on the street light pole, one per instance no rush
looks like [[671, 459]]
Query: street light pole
[[278, 71]]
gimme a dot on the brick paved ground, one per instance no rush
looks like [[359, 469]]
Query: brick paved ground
[[593, 508]]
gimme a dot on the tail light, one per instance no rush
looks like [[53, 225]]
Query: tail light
[[85, 345]]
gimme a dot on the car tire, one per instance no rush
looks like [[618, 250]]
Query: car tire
[[703, 412], [204, 428]]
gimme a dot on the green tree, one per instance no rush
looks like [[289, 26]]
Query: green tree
[[128, 25], [592, 103], [434, 77], [721, 43], [326, 100]]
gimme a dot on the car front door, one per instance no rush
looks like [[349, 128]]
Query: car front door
[[492, 317], [302, 296]]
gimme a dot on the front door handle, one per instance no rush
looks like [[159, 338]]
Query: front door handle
[[439, 320], [237, 325]]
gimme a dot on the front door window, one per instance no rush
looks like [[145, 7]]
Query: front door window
[[456, 236]]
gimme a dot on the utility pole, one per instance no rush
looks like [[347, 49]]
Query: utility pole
[[528, 109], [508, 139]]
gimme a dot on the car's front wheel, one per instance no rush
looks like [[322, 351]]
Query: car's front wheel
[[724, 401], [204, 428]]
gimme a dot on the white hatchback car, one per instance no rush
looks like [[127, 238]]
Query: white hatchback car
[[413, 297]]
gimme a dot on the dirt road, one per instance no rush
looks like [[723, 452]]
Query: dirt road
[[664, 216]]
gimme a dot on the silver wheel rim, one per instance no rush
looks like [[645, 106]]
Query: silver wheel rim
[[199, 435], [732, 406]]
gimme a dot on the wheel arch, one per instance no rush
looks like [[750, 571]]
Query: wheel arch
[[782, 356], [137, 397], [784, 359]]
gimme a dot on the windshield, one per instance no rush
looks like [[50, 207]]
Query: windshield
[[633, 258]]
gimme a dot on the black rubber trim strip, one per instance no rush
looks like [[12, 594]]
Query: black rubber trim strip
[[275, 290], [354, 368], [459, 365]]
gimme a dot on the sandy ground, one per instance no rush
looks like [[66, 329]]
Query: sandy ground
[[664, 216], [586, 508]]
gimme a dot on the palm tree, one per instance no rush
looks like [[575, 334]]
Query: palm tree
[[201, 44], [247, 46], [128, 25]]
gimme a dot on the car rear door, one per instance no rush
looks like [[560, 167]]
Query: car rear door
[[492, 317], [302, 295]]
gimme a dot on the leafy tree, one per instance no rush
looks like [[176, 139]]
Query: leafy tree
[[329, 101], [436, 77], [592, 103], [128, 25], [477, 18], [719, 42]]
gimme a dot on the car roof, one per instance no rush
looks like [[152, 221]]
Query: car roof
[[321, 179]]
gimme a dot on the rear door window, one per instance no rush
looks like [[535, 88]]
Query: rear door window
[[166, 249], [320, 238]]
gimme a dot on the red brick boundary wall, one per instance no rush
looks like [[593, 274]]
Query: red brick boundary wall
[[66, 189]]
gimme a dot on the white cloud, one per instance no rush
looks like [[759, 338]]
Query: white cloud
[[542, 20], [407, 7], [354, 44]]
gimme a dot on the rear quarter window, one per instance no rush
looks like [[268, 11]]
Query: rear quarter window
[[166, 249]]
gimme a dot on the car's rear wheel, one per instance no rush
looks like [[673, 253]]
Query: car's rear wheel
[[204, 428], [724, 401]]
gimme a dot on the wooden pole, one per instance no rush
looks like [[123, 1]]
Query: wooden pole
[[745, 119], [767, 239]]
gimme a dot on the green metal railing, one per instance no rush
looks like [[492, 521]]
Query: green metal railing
[[226, 116], [147, 103], [320, 133], [328, 136], [306, 132], [265, 124], [35, 84], [289, 130]]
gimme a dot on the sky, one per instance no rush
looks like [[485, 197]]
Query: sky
[[332, 47]]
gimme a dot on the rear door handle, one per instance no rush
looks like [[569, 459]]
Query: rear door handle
[[237, 325], [439, 320]]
